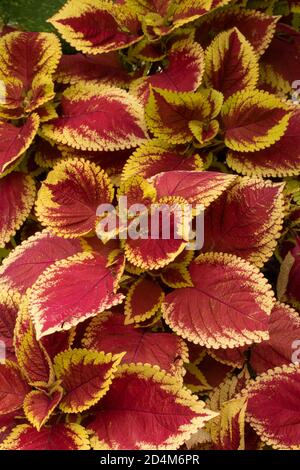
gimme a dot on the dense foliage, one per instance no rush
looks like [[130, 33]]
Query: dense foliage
[[141, 343]]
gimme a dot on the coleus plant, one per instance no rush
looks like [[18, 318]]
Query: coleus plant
[[141, 343]]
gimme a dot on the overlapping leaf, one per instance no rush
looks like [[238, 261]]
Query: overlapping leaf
[[38, 406], [109, 333], [230, 63], [273, 407], [101, 67], [97, 117], [280, 63], [195, 187], [28, 61], [254, 120], [153, 158], [269, 161], [133, 404], [246, 221], [68, 199], [24, 265], [56, 437], [139, 305], [96, 26], [284, 330], [17, 198], [13, 388], [228, 305], [9, 307], [14, 141], [86, 285], [184, 54], [179, 116], [85, 377]]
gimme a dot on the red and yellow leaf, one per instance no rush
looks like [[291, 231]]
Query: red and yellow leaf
[[133, 404], [158, 235], [33, 360], [284, 330], [101, 67], [196, 187], [85, 377], [109, 333], [17, 198], [281, 159], [9, 307], [69, 197], [98, 117], [14, 141], [227, 430], [228, 305], [13, 388], [27, 62], [96, 26], [257, 27], [56, 437], [28, 260], [246, 220], [85, 284], [170, 114], [280, 63], [254, 120], [152, 158], [184, 55], [38, 406], [139, 305], [231, 64], [273, 407]]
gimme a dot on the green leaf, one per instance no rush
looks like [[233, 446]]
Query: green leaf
[[31, 15]]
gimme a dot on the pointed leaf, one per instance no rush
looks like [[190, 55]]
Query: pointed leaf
[[69, 197], [85, 377], [230, 63], [183, 55], [98, 117], [246, 220], [96, 26], [254, 120], [281, 159], [38, 406], [133, 404], [17, 198], [85, 285], [139, 305], [27, 62], [33, 360], [257, 27], [196, 187], [228, 305]]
